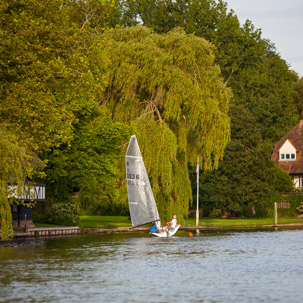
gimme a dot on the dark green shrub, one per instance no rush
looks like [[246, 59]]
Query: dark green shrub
[[294, 199], [111, 209], [282, 180], [216, 213], [300, 208], [261, 212], [63, 214], [58, 213], [207, 209], [247, 212]]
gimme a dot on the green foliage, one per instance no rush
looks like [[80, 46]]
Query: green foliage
[[264, 212], [72, 92], [89, 163], [298, 96], [53, 70], [265, 90], [300, 208], [283, 181], [52, 75], [245, 175], [170, 91], [216, 213], [238, 222], [294, 199], [15, 165], [259, 78], [66, 214], [262, 105]]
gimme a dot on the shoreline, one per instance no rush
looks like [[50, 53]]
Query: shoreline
[[94, 231], [48, 232]]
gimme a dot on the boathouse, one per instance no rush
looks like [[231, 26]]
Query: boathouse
[[288, 154], [22, 211]]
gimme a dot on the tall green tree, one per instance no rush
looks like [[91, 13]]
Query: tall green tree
[[246, 175], [168, 88], [15, 166], [48, 82], [89, 164], [298, 96], [259, 78]]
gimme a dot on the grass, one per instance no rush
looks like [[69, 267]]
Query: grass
[[47, 225], [104, 221], [122, 221], [239, 221]]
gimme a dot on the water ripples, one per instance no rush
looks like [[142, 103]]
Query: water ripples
[[262, 266]]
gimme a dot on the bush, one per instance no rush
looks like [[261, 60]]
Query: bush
[[295, 199], [58, 213], [111, 209], [300, 208], [216, 213], [63, 214], [207, 210], [262, 212], [282, 180], [247, 211]]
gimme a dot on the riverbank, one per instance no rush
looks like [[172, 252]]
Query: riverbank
[[122, 224], [112, 222], [93, 231]]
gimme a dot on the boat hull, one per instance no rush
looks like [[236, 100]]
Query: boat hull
[[166, 234]]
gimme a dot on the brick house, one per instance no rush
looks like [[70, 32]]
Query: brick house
[[288, 154]]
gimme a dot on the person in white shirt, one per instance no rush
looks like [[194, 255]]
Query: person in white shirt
[[172, 224]]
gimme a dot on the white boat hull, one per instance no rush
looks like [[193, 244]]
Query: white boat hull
[[166, 234]]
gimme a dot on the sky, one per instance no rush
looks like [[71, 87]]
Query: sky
[[281, 21]]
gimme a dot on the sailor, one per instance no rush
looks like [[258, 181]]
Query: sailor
[[172, 224], [153, 228], [156, 228]]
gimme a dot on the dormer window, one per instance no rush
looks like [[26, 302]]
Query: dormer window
[[287, 152], [288, 157]]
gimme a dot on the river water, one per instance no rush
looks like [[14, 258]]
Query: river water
[[255, 266]]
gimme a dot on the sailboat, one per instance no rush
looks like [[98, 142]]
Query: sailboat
[[142, 205]]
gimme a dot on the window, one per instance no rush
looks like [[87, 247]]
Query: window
[[288, 157], [300, 179]]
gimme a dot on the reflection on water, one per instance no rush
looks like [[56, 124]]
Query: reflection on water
[[263, 266]]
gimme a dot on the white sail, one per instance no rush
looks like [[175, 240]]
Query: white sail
[[141, 200]]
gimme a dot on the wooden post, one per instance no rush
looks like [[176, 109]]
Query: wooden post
[[276, 214], [197, 211], [25, 225]]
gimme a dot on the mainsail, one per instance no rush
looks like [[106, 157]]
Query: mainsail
[[141, 200]]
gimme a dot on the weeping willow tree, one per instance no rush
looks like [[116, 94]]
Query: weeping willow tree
[[168, 89], [15, 166]]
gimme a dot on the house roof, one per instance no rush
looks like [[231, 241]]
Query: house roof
[[295, 136]]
